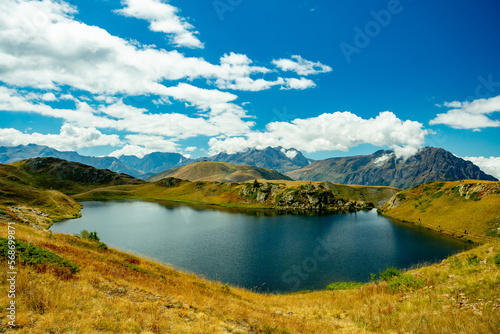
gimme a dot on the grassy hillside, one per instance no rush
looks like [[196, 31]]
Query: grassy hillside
[[70, 285], [71, 177], [220, 172], [466, 209], [21, 201]]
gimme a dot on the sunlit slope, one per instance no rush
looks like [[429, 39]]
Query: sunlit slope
[[221, 172], [463, 208], [21, 201]]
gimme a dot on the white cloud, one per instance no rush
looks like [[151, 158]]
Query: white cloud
[[138, 151], [122, 117], [162, 18], [69, 138], [300, 84], [301, 66], [470, 115], [336, 131], [380, 161], [49, 97], [489, 165], [289, 153], [42, 46]]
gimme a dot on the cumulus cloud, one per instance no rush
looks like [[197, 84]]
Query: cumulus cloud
[[331, 131], [301, 66], [162, 17], [300, 84], [42, 46], [70, 138], [470, 115], [122, 117], [489, 165]]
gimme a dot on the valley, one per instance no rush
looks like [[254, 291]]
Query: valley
[[38, 192]]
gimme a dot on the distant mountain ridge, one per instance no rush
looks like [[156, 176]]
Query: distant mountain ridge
[[383, 168], [149, 165], [277, 158]]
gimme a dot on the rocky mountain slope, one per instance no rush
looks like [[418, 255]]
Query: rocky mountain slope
[[277, 158], [383, 168], [221, 172]]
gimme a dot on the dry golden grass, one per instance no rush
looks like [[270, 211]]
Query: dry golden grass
[[121, 293]]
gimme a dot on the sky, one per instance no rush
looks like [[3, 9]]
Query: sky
[[329, 78]]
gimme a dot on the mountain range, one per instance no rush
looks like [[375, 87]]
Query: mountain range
[[385, 168], [382, 168]]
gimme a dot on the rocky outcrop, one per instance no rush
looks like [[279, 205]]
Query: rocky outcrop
[[304, 198], [477, 190]]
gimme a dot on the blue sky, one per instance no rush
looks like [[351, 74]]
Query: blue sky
[[330, 78]]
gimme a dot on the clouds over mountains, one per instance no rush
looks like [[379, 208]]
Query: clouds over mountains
[[54, 64]]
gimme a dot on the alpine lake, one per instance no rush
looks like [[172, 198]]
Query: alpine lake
[[260, 249]]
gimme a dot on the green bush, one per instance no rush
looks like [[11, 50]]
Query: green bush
[[389, 273], [91, 236], [496, 259], [102, 246], [401, 196], [438, 194], [39, 258], [472, 260]]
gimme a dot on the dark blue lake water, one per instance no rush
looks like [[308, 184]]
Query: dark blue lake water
[[259, 250]]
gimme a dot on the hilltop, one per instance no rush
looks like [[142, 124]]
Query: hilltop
[[220, 172], [383, 168], [466, 209], [21, 201]]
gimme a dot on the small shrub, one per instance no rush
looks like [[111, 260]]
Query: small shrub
[[401, 196], [39, 258], [496, 259], [91, 236], [389, 273], [438, 194], [102, 246], [225, 288], [472, 260], [439, 185]]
